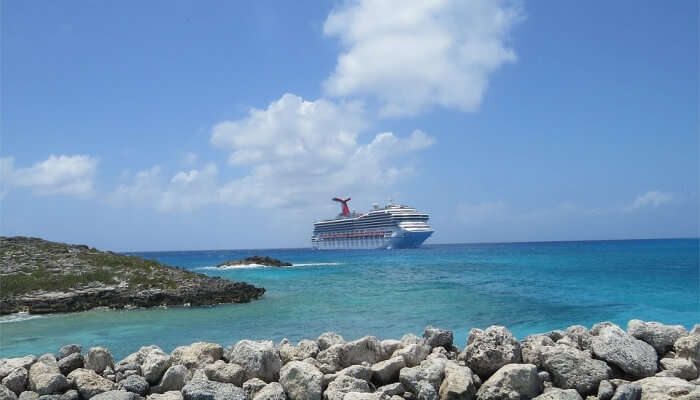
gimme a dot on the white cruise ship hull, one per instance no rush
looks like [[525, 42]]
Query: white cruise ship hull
[[396, 240]]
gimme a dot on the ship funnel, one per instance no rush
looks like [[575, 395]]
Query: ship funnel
[[346, 210]]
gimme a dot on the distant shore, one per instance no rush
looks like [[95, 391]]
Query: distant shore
[[42, 277], [647, 361]]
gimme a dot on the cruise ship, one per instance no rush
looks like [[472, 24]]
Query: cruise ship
[[391, 227]]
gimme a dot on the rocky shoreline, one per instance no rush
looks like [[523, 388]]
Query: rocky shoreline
[[40, 277], [647, 361]]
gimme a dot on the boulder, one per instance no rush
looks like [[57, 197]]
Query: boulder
[[511, 382], [98, 359], [488, 350], [171, 395], [69, 349], [301, 381], [331, 359], [220, 371], [259, 359], [435, 337], [661, 337], [89, 384], [424, 380], [595, 330], [197, 355], [328, 339], [389, 346], [574, 369], [117, 395], [580, 336], [367, 349], [29, 395], [413, 354], [559, 394], [70, 363], [16, 380], [155, 363], [8, 365], [629, 391], [391, 389], [633, 356], [605, 390], [345, 384], [355, 371], [6, 393], [201, 388], [174, 378], [532, 347], [135, 384], [303, 350], [387, 371], [458, 383], [678, 367], [271, 391], [688, 347], [666, 388], [46, 378], [253, 386]]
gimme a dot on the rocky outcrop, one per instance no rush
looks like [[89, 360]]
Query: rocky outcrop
[[259, 260], [489, 350], [49, 277], [617, 347], [301, 381], [511, 382], [661, 337], [571, 368]]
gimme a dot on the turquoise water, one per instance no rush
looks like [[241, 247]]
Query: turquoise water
[[529, 287]]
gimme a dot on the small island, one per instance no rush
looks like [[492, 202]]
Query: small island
[[266, 261], [39, 277]]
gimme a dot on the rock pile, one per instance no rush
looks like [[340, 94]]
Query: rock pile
[[648, 361]]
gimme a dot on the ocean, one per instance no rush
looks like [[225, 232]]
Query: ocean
[[528, 287]]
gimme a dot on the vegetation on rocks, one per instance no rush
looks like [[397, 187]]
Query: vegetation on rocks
[[267, 261]]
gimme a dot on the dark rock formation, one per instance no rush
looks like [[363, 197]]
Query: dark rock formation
[[267, 261]]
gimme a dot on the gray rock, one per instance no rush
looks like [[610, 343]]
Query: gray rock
[[410, 338], [554, 335], [559, 394], [532, 346], [660, 337], [580, 336], [387, 371], [458, 383], [46, 379], [489, 350], [678, 367], [117, 395], [98, 359], [595, 330], [574, 369], [29, 395], [424, 380], [220, 371], [70, 395], [630, 391], [6, 393], [389, 346], [71, 362], [391, 389], [695, 330], [155, 363], [171, 395], [345, 384], [511, 382], [667, 388], [135, 384], [271, 391], [328, 339], [201, 388], [48, 358], [605, 390], [631, 355], [303, 350], [8, 365], [69, 349], [259, 359], [435, 337], [367, 349], [89, 384], [413, 354], [197, 355], [50, 397], [253, 386], [16, 380], [331, 358], [301, 381], [174, 378], [688, 347], [355, 371]]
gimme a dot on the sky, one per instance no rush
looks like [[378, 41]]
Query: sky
[[182, 125]]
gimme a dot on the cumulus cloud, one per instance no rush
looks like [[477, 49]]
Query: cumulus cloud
[[652, 198], [68, 175], [411, 55]]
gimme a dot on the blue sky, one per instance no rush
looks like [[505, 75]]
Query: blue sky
[[182, 125]]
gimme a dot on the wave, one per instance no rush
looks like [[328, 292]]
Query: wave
[[252, 266], [17, 317]]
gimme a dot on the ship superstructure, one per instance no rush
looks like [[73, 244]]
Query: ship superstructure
[[390, 227]]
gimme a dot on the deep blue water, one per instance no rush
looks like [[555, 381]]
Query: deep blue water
[[529, 287]]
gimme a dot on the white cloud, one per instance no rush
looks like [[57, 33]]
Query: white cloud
[[69, 175], [411, 55], [652, 198]]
